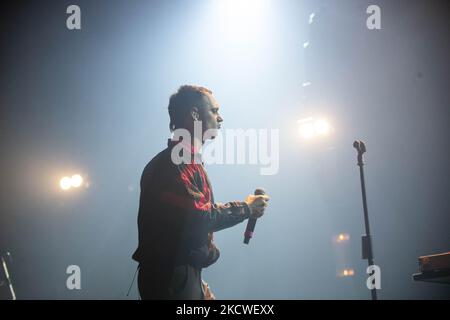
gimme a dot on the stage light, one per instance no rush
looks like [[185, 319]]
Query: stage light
[[307, 130], [311, 128], [347, 273], [65, 183], [342, 237], [322, 127], [242, 19], [76, 180], [311, 18]]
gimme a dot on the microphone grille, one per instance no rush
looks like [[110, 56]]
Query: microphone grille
[[259, 191]]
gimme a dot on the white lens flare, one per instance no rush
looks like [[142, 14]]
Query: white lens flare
[[310, 128], [65, 183], [307, 130], [76, 180], [322, 127]]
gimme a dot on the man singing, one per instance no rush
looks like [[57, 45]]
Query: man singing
[[177, 213]]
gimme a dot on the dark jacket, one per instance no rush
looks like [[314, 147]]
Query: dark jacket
[[176, 214]]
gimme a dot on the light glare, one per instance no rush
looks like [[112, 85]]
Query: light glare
[[76, 180], [322, 127], [347, 273], [342, 237], [310, 128], [307, 130], [65, 183]]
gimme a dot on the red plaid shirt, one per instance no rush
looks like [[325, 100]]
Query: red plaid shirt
[[177, 213]]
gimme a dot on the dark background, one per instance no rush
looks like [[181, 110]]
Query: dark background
[[94, 101]]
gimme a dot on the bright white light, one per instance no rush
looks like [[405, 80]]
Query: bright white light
[[307, 130], [310, 128], [65, 183], [76, 180], [342, 237], [322, 127], [347, 273], [242, 19]]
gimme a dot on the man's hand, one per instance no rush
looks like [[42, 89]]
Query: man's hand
[[257, 204]]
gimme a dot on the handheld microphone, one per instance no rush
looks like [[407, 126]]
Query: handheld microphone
[[251, 223]]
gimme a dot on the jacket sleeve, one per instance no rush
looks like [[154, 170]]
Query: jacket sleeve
[[201, 213]]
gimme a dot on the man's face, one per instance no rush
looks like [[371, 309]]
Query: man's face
[[209, 114]]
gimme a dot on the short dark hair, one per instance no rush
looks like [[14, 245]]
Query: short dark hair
[[181, 102]]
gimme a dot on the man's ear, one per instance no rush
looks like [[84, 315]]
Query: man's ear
[[195, 114]]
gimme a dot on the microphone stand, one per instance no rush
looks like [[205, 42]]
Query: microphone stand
[[7, 276], [367, 252]]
